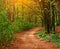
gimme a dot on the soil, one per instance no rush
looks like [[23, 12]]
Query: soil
[[29, 40]]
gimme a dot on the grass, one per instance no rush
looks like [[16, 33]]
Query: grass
[[54, 38]]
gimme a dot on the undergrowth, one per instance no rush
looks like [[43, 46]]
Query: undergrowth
[[52, 37]]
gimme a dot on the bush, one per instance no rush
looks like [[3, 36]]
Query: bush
[[20, 25], [6, 37], [53, 37], [6, 33], [27, 25]]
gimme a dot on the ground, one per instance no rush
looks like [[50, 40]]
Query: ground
[[29, 40]]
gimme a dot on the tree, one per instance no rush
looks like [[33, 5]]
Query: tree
[[48, 8]]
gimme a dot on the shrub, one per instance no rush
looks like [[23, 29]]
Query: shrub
[[27, 25], [20, 25], [6, 33], [53, 37], [6, 37]]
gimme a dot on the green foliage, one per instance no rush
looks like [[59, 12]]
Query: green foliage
[[6, 33], [55, 38], [27, 25], [27, 17], [3, 20], [7, 28], [20, 25], [6, 37]]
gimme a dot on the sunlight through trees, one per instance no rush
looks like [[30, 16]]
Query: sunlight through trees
[[21, 15]]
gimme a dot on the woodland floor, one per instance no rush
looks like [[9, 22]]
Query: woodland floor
[[29, 40]]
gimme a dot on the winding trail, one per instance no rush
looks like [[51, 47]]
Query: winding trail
[[29, 40]]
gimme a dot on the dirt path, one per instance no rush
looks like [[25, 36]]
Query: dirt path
[[29, 40]]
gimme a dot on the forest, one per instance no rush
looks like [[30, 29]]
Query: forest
[[29, 24]]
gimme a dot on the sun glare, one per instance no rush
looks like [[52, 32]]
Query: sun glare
[[21, 1]]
